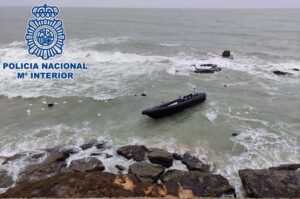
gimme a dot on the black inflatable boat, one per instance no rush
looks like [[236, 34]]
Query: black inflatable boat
[[175, 106]]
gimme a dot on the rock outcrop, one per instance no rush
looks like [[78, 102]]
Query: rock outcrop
[[194, 164], [146, 172], [266, 183], [87, 164], [135, 152], [161, 157]]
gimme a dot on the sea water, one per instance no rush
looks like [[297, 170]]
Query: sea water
[[133, 51]]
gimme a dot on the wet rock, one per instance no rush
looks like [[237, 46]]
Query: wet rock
[[209, 65], [295, 69], [5, 179], [194, 164], [146, 172], [234, 134], [286, 167], [108, 155], [176, 156], [270, 183], [52, 165], [101, 145], [87, 164], [195, 184], [207, 68], [13, 158], [161, 157], [80, 185], [278, 72], [144, 94], [71, 150], [96, 154], [120, 167], [38, 155], [135, 152], [226, 54], [50, 105], [88, 145]]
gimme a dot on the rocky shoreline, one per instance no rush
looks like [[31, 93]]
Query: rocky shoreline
[[149, 175]]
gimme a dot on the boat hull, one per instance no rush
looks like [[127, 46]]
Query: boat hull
[[163, 110]]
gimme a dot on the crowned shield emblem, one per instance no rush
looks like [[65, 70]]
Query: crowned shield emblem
[[45, 35]]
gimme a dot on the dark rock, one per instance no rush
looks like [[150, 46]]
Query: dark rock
[[234, 134], [209, 65], [161, 157], [96, 154], [225, 85], [204, 70], [13, 158], [71, 150], [52, 165], [146, 172], [87, 164], [75, 185], [144, 94], [278, 72], [195, 184], [286, 167], [5, 179], [194, 164], [101, 145], [88, 145], [207, 68], [38, 155], [295, 69], [108, 155], [176, 156], [137, 152], [50, 105], [120, 167], [265, 183], [226, 54]]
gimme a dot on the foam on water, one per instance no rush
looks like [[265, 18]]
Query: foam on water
[[112, 69]]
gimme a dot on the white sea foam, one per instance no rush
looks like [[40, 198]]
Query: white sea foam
[[108, 71]]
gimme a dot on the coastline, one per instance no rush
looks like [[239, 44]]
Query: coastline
[[148, 175]]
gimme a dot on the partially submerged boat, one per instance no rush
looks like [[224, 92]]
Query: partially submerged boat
[[175, 106]]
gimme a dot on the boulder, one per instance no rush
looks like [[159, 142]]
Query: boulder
[[135, 152], [87, 164], [5, 179], [195, 184], [88, 145], [278, 72], [52, 165], [161, 157], [120, 168], [146, 172], [286, 167], [266, 183], [194, 164], [177, 156], [226, 54]]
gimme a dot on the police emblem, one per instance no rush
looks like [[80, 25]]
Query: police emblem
[[45, 34]]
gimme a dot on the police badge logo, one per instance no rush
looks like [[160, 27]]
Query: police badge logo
[[45, 35]]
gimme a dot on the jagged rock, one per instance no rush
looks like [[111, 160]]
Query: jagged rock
[[137, 152], [5, 179], [266, 183], [146, 172], [13, 158], [77, 184], [194, 164], [286, 167], [87, 164], [52, 165], [195, 184], [88, 145], [278, 72], [226, 54], [161, 157], [176, 156], [120, 167]]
